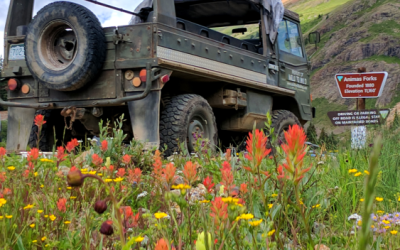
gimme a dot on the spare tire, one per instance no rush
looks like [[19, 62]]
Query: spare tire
[[65, 46]]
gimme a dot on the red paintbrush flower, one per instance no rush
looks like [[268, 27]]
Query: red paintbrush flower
[[60, 154], [243, 188], [257, 148], [295, 150], [208, 183], [61, 204], [157, 170], [228, 155], [104, 146], [227, 177], [72, 144], [169, 174], [190, 172], [126, 159], [97, 160], [134, 175], [26, 173], [39, 121], [3, 152], [33, 154], [219, 211], [121, 172]]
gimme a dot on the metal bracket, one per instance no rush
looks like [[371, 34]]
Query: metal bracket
[[120, 38]]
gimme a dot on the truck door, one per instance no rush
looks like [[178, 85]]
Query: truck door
[[293, 65]]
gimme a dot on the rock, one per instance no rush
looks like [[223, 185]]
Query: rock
[[390, 119], [178, 180], [198, 193], [82, 158], [64, 170], [321, 247]]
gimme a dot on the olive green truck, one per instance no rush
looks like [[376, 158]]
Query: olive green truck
[[181, 69]]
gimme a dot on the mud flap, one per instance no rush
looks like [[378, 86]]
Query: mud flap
[[19, 127], [145, 119]]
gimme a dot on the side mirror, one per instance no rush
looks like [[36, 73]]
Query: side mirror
[[239, 30], [314, 37]]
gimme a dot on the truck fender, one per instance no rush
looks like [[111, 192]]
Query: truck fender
[[19, 128], [145, 119]]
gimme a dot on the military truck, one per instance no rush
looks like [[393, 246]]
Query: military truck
[[171, 71]]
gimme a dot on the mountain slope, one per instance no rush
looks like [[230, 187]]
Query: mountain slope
[[354, 33]]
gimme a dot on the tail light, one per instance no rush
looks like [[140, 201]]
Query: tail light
[[25, 88], [13, 84], [165, 78], [143, 75]]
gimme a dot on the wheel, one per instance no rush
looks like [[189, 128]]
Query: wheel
[[65, 46], [46, 135], [281, 120], [183, 117]]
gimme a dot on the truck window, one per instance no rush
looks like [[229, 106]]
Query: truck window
[[289, 38]]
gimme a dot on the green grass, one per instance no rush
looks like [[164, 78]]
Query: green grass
[[387, 59], [390, 27], [323, 106]]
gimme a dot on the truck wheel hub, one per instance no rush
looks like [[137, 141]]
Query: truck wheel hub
[[196, 130], [58, 45]]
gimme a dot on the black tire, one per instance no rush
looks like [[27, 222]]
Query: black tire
[[65, 46], [46, 135], [182, 115], [281, 120]]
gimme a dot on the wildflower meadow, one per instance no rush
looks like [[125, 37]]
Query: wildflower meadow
[[104, 194]]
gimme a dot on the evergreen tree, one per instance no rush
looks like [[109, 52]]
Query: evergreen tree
[[323, 137], [312, 134]]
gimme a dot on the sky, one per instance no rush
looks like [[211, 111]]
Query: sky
[[106, 16]]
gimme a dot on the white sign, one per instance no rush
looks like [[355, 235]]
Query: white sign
[[17, 52]]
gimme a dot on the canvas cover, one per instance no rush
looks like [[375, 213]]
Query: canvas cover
[[273, 12]]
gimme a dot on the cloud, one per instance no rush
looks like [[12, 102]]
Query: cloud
[[107, 17]]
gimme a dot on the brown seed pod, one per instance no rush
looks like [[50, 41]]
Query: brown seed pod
[[106, 228], [100, 206]]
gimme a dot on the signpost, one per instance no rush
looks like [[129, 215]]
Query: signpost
[[360, 85], [358, 117]]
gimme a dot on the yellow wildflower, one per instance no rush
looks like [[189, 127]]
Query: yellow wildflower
[[42, 186], [386, 221], [44, 238], [357, 174], [255, 223], [361, 199], [316, 206], [69, 188], [270, 233], [394, 232], [34, 241], [372, 226], [139, 239], [352, 171], [45, 216], [36, 174], [72, 197], [59, 188], [108, 180], [230, 200], [245, 217], [270, 206], [274, 195], [46, 160], [160, 215], [119, 179], [67, 222], [29, 206], [181, 186], [11, 168], [387, 227], [32, 225], [205, 201], [52, 217], [100, 174], [380, 212], [8, 216], [2, 202], [40, 211], [92, 172], [359, 223], [379, 199], [366, 172], [46, 245], [1, 217]]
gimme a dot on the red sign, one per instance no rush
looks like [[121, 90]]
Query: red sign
[[364, 85]]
